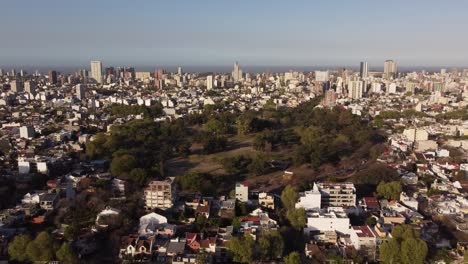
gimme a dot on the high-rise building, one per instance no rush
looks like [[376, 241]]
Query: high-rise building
[[13, 72], [179, 71], [80, 91], [158, 73], [329, 99], [96, 71], [16, 86], [355, 89], [1, 72], [236, 73], [322, 76], [364, 70], [390, 69], [209, 82], [53, 77], [30, 87]]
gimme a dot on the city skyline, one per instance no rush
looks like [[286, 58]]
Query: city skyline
[[207, 33]]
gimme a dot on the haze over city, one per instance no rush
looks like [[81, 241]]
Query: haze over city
[[216, 33]]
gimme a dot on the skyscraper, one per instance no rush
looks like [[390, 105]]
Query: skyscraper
[[364, 71], [80, 91], [16, 86], [209, 82], [322, 76], [237, 72], [1, 72], [355, 89], [179, 71], [390, 69], [30, 87], [96, 71], [53, 77]]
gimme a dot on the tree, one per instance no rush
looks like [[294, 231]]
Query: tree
[[405, 247], [371, 221], [390, 252], [41, 248], [289, 197], [390, 190], [202, 257], [138, 175], [271, 245], [17, 247], [122, 165], [413, 251], [66, 254], [296, 217], [71, 232], [242, 248], [259, 165], [292, 258]]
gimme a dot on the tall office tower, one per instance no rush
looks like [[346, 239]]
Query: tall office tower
[[237, 73], [129, 73], [30, 87], [53, 77], [179, 71], [1, 72], [329, 99], [322, 76], [158, 74], [16, 86], [13, 72], [96, 71], [80, 91], [355, 89], [22, 73], [390, 69], [209, 82], [364, 71]]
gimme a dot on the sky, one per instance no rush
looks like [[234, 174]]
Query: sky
[[219, 32]]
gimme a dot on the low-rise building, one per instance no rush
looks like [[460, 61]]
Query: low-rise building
[[160, 194]]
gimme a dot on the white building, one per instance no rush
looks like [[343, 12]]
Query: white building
[[416, 134], [80, 90], [96, 71], [242, 192], [160, 194], [355, 89], [237, 73], [391, 88], [30, 87], [310, 200], [390, 69], [329, 219], [16, 86], [27, 132], [322, 76], [209, 82], [337, 194]]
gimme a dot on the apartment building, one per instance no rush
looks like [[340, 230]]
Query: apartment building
[[160, 194]]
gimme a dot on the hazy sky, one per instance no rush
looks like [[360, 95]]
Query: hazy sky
[[219, 32]]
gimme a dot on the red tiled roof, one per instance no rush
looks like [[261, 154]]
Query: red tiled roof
[[371, 202], [250, 219], [363, 231]]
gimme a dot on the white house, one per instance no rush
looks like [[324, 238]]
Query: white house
[[329, 219], [310, 200], [242, 192]]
